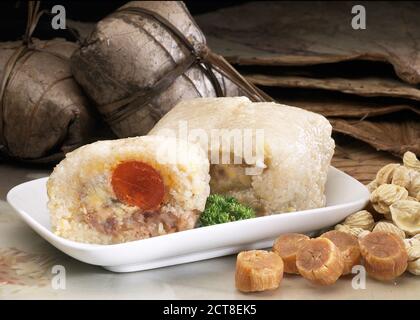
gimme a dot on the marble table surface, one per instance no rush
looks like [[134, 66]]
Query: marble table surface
[[26, 270]]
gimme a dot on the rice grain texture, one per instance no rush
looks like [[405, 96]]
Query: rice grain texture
[[85, 208], [297, 149]]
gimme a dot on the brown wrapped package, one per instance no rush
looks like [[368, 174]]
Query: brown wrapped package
[[44, 113], [143, 59]]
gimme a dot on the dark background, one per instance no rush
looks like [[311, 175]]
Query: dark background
[[13, 15]]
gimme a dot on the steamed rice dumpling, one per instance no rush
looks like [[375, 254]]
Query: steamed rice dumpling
[[43, 110], [129, 189], [272, 157], [135, 67]]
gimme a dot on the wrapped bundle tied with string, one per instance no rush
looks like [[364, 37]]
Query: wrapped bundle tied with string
[[144, 58], [43, 112]]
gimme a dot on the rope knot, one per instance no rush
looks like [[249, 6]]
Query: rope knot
[[202, 52]]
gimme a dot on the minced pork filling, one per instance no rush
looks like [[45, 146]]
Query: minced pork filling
[[135, 207]]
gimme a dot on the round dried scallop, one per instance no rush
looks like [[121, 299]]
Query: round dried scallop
[[362, 219], [384, 255], [389, 227], [385, 195], [406, 215]]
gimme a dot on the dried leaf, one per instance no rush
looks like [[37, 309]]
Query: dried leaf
[[346, 108], [338, 104], [396, 137], [368, 87], [304, 33]]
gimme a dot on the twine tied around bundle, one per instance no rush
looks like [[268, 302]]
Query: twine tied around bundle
[[26, 47], [201, 57]]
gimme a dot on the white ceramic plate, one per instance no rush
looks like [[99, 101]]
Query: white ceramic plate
[[345, 195]]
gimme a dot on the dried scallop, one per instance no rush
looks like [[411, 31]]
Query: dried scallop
[[384, 255], [286, 246], [258, 270], [348, 246], [319, 261]]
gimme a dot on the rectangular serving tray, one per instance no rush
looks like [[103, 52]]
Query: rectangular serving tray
[[345, 195]]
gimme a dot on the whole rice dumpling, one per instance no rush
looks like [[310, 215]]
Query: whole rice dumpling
[[44, 113], [136, 68], [272, 157]]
